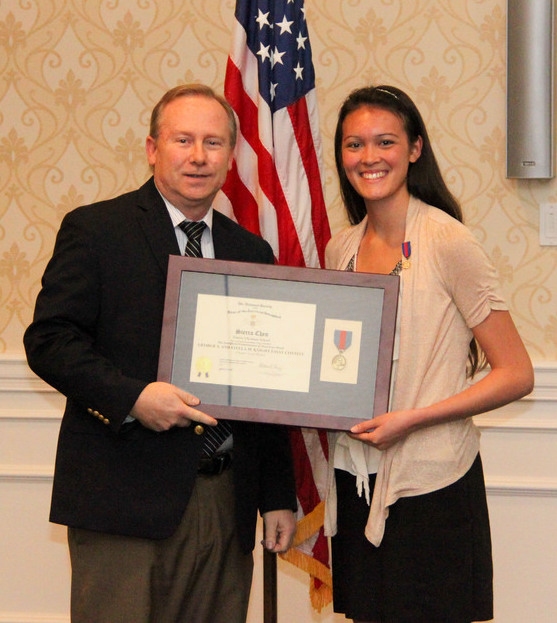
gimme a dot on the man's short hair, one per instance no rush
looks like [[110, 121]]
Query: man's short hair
[[192, 90]]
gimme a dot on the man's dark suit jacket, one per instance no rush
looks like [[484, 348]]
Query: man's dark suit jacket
[[95, 338]]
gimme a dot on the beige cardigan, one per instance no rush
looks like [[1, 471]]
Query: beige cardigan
[[449, 288]]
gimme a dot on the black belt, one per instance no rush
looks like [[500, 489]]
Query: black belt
[[214, 465]]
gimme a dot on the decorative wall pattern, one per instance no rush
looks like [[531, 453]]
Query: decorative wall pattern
[[79, 78]]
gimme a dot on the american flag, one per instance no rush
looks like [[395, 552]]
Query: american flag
[[275, 189]]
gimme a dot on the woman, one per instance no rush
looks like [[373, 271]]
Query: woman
[[407, 500]]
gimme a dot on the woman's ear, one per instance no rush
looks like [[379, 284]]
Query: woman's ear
[[416, 150]]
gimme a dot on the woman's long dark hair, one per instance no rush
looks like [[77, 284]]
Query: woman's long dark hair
[[424, 180]]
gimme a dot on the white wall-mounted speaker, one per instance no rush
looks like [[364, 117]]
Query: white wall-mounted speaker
[[530, 89]]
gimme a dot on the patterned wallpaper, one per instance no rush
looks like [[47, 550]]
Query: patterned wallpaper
[[79, 78]]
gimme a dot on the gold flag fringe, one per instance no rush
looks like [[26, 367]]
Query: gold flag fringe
[[309, 525]]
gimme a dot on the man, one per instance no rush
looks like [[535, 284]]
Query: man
[[159, 532]]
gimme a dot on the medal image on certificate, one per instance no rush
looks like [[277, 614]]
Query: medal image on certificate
[[343, 339], [341, 351]]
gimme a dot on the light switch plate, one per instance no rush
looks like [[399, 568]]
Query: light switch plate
[[548, 224]]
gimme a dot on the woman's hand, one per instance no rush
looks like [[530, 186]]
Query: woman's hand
[[385, 430]]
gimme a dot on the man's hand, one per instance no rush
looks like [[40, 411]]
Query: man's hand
[[161, 406], [279, 528]]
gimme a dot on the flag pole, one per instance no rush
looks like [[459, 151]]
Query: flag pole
[[269, 587]]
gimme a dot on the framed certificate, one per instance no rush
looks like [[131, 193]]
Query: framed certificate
[[297, 346]]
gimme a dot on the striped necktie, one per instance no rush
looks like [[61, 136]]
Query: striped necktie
[[194, 231], [215, 436]]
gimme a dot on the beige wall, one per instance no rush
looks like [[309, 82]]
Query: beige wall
[[79, 80]]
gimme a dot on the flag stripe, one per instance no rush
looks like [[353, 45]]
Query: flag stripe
[[292, 174], [289, 250], [239, 194], [307, 145]]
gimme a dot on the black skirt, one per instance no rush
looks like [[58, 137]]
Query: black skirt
[[434, 563]]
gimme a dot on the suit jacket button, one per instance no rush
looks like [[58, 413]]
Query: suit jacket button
[[199, 430]]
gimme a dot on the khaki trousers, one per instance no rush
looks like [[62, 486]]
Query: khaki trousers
[[199, 575]]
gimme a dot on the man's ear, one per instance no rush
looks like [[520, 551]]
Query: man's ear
[[150, 150]]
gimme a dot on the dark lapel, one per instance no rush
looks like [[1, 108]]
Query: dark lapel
[[155, 222], [229, 240]]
